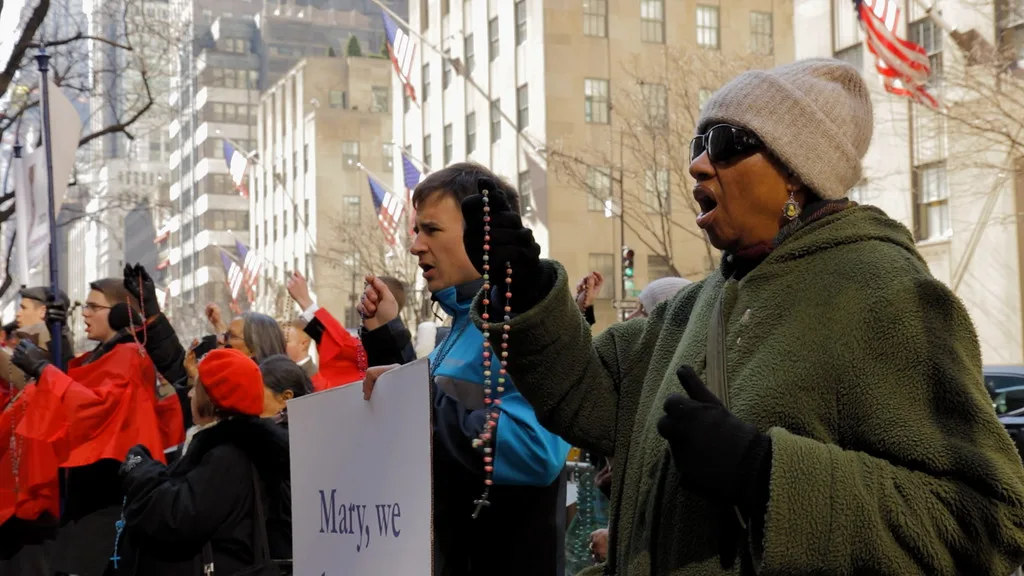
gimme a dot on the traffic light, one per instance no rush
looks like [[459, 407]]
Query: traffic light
[[627, 272]]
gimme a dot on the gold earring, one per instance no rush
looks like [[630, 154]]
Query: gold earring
[[791, 209]]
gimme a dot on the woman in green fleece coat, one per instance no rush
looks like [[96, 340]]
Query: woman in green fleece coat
[[815, 405]]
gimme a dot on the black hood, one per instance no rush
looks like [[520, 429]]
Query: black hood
[[263, 442]]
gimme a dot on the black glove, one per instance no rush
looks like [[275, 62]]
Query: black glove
[[31, 359], [508, 241], [136, 455], [718, 455], [139, 284], [56, 312]]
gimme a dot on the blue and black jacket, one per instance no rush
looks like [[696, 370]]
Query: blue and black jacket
[[526, 454]]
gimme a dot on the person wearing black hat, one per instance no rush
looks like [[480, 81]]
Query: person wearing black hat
[[38, 306]]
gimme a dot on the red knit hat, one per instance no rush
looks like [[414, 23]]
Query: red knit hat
[[232, 381]]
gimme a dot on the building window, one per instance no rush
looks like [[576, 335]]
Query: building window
[[426, 82], [657, 267], [599, 189], [846, 30], [470, 132], [350, 153], [338, 99], [426, 151], [707, 27], [379, 102], [525, 192], [652, 21], [448, 147], [523, 106], [387, 155], [1010, 30], [656, 101], [853, 55], [520, 22], [656, 190], [305, 158], [927, 35], [492, 35], [446, 69], [761, 33], [605, 265], [595, 101], [424, 16], [595, 18], [350, 210], [496, 120], [703, 95], [932, 193], [470, 54]]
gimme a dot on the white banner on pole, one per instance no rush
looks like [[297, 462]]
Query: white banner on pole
[[22, 217], [66, 129], [361, 479]]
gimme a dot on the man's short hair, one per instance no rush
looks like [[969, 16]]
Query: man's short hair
[[461, 180], [397, 288]]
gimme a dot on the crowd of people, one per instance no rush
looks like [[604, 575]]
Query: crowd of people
[[814, 405]]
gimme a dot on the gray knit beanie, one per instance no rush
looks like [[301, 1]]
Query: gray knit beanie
[[814, 115], [660, 290]]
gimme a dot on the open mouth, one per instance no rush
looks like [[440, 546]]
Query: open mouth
[[427, 269], [705, 200]]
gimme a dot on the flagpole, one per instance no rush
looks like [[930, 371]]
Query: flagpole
[[375, 177], [460, 71], [407, 154], [250, 155], [56, 326]]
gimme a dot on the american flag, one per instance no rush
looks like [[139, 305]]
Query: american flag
[[251, 265], [233, 275], [238, 165], [401, 49], [389, 210], [412, 178], [903, 65]]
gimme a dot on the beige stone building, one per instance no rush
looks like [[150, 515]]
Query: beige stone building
[[568, 93], [323, 127]]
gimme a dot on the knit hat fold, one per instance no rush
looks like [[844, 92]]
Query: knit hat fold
[[814, 115]]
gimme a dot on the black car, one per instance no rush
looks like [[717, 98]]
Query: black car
[[1005, 385]]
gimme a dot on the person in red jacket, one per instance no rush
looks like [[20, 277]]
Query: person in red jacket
[[101, 407], [342, 358]]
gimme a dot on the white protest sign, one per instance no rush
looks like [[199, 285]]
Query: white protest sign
[[361, 483]]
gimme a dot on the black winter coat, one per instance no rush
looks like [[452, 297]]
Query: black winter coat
[[207, 496]]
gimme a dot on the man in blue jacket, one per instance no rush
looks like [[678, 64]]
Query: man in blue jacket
[[521, 531]]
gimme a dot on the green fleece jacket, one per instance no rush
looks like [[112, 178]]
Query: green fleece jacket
[[865, 371]]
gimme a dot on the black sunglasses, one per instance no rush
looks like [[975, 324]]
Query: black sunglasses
[[725, 144]]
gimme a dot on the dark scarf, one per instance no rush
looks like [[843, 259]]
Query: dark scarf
[[739, 264]]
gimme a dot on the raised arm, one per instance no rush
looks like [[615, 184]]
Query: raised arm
[[572, 380]]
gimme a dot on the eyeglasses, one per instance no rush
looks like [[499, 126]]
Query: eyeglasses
[[725, 144], [93, 307]]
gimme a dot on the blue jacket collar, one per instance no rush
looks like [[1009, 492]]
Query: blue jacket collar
[[456, 300]]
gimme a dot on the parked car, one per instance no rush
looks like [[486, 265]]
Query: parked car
[[1005, 385]]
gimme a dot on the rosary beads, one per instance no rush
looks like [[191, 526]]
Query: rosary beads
[[492, 396]]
